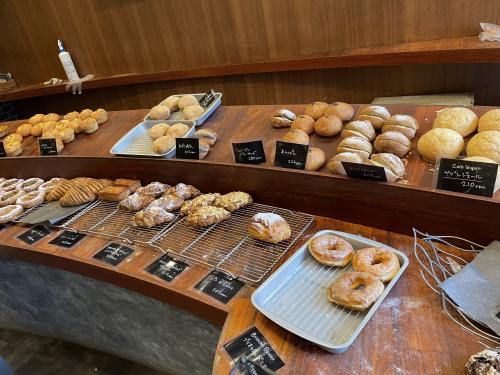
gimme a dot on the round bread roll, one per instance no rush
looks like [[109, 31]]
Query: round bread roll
[[191, 112], [49, 125], [14, 137], [204, 148], [359, 145], [164, 144], [282, 118], [186, 100], [315, 159], [376, 114], [335, 163], [304, 123], [343, 111], [24, 130], [62, 124], [393, 142], [486, 160], [489, 121], [13, 148], [440, 143], [316, 109], [36, 119], [37, 129], [359, 128], [159, 112], [178, 130], [71, 115], [76, 125], [485, 144], [296, 136], [51, 117], [158, 130], [404, 124], [100, 115], [394, 167], [171, 103], [85, 114], [89, 125], [67, 135], [460, 119], [328, 126]]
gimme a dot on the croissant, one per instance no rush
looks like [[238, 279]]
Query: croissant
[[77, 195], [58, 191]]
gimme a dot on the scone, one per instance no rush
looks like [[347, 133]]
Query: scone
[[440, 143], [460, 119], [114, 193], [489, 121], [36, 119], [152, 216], [24, 130], [233, 201], [269, 227], [207, 215], [89, 125], [100, 115], [132, 185], [485, 144], [85, 114]]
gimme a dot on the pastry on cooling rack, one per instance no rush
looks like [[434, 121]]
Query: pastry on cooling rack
[[152, 216], [154, 189], [169, 203], [132, 185], [8, 198], [30, 184], [113, 193], [200, 201], [233, 201], [183, 191], [269, 227], [9, 213], [207, 215], [77, 195], [135, 202], [32, 199], [59, 190]]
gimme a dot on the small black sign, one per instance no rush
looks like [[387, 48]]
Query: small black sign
[[253, 345], [34, 234], [465, 176], [290, 155], [166, 268], [2, 226], [2, 150], [67, 239], [249, 152], [207, 99], [187, 148], [47, 146], [364, 171], [114, 254], [220, 286]]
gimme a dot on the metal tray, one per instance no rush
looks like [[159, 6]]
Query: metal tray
[[294, 297], [137, 142], [177, 115]]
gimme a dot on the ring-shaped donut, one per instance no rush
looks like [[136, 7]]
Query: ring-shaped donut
[[376, 261], [10, 184], [10, 197], [355, 290], [32, 199], [9, 213], [331, 250], [30, 184]]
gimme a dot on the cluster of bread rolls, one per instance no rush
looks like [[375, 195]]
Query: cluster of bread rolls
[[187, 104]]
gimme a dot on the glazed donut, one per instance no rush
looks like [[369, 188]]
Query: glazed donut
[[9, 213], [10, 184], [346, 291], [10, 197], [31, 199], [331, 250], [30, 184], [379, 262]]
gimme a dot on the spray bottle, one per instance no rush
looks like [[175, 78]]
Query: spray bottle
[[67, 63]]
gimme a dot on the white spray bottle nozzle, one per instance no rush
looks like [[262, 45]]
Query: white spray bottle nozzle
[[60, 45]]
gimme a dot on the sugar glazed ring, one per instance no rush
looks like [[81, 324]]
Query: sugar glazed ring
[[379, 262], [10, 197], [32, 199], [331, 250], [30, 184], [9, 213], [355, 290], [10, 184]]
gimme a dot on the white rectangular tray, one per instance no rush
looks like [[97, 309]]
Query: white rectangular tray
[[295, 298]]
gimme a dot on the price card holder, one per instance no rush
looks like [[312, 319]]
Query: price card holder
[[465, 176], [47, 146], [114, 254], [34, 234], [251, 152], [207, 99], [365, 171], [2, 151], [253, 345], [290, 155], [166, 268], [220, 286], [67, 239], [187, 148]]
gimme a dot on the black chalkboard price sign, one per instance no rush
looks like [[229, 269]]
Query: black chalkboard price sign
[[34, 234], [290, 155], [364, 171], [67, 239], [114, 254], [469, 177], [47, 146], [249, 152], [207, 99], [220, 286], [2, 151], [253, 345], [187, 148], [166, 268]]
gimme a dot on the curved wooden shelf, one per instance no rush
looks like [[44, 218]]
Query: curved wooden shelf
[[442, 51]]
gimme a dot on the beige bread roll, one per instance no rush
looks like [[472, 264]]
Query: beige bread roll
[[304, 123], [100, 115], [67, 135], [359, 128], [70, 116], [296, 136], [316, 110], [328, 126], [204, 148], [282, 118], [207, 135], [164, 144], [192, 112], [62, 124], [159, 112], [89, 125], [404, 124], [51, 117], [376, 114], [355, 144], [85, 114], [14, 137], [36, 119], [171, 103], [393, 166], [37, 129], [343, 111], [187, 100], [393, 142], [24, 130], [76, 125], [489, 121], [440, 143], [158, 130], [49, 125], [335, 164], [486, 160], [460, 119], [485, 144], [13, 148], [4, 130], [178, 130], [315, 159]]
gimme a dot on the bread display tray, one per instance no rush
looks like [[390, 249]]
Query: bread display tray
[[295, 298], [177, 115], [137, 142]]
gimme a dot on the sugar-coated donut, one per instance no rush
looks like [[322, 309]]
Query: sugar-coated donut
[[31, 199], [376, 261], [10, 212], [355, 290], [331, 250], [10, 197], [30, 184]]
